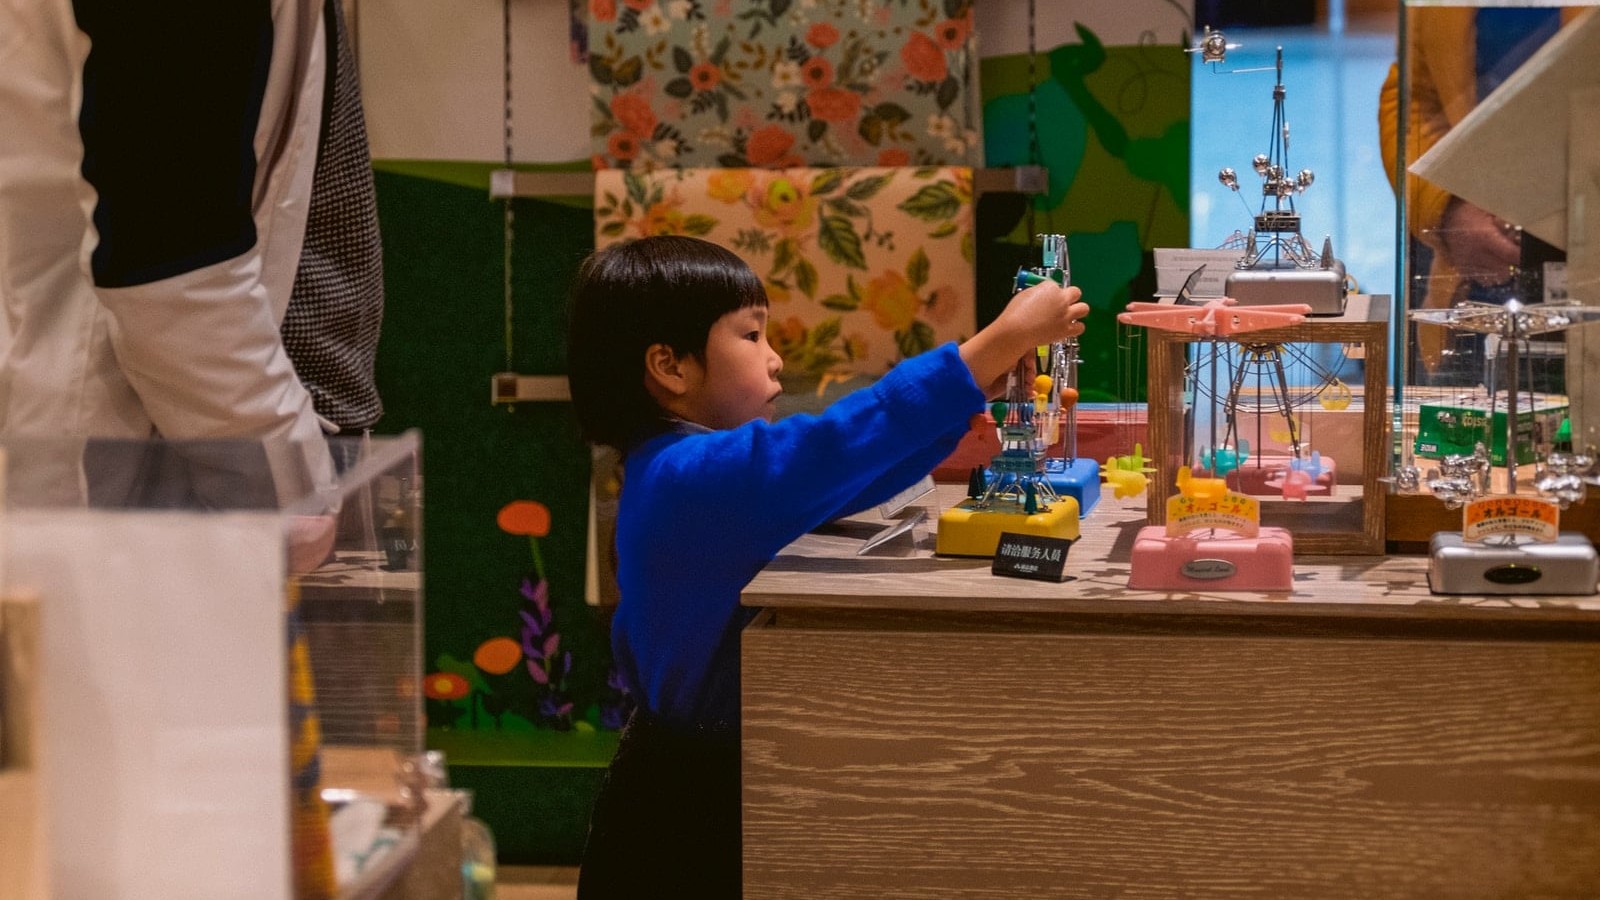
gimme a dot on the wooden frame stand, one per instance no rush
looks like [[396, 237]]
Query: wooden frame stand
[[1320, 527]]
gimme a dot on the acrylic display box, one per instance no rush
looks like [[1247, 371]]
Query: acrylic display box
[[1499, 160], [1329, 374], [223, 668]]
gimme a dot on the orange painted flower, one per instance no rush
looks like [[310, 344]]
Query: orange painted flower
[[767, 145], [782, 203], [445, 686], [622, 145], [498, 655], [923, 59], [526, 517], [831, 104], [728, 185], [891, 301], [822, 35], [704, 76], [597, 162], [951, 34], [816, 72], [893, 156], [634, 113], [603, 10], [662, 218]]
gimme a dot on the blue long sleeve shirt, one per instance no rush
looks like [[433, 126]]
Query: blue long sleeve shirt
[[702, 513]]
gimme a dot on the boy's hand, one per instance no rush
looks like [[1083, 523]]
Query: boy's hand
[[1042, 314]]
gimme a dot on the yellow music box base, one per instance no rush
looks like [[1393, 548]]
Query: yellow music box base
[[967, 531]]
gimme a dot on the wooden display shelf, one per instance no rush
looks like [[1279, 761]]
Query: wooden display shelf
[[915, 726], [1319, 526]]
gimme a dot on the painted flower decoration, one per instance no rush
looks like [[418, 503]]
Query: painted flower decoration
[[497, 655], [891, 300], [524, 517], [822, 35], [769, 145], [782, 203], [445, 686], [729, 185], [923, 59]]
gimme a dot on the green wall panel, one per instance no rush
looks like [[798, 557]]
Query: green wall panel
[[443, 338]]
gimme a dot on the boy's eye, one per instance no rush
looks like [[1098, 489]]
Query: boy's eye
[[753, 336]]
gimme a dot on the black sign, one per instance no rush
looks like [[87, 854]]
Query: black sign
[[1031, 556]]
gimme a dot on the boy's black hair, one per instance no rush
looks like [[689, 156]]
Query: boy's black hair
[[665, 289]]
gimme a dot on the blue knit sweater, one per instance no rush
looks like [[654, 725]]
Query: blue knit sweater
[[702, 513]]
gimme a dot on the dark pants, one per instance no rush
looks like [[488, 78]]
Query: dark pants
[[666, 821]]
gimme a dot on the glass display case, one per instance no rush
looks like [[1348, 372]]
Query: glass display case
[[1492, 127], [226, 677]]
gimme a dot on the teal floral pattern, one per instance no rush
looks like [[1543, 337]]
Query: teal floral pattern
[[782, 83]]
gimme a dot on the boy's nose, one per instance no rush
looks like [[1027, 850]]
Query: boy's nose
[[774, 363]]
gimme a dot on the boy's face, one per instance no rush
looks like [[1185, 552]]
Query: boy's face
[[738, 379]]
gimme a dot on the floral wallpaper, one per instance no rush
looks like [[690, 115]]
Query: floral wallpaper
[[863, 267], [782, 83]]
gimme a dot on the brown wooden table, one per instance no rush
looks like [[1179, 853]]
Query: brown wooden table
[[916, 727]]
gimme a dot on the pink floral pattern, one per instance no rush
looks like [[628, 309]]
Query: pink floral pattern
[[782, 83], [863, 267]]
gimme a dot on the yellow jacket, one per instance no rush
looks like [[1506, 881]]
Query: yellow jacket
[[1443, 91]]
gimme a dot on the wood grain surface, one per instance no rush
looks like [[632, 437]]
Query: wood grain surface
[[917, 727], [896, 764]]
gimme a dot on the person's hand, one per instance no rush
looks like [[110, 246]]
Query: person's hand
[[1042, 314], [1478, 244]]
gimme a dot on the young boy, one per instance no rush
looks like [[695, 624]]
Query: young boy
[[669, 363]]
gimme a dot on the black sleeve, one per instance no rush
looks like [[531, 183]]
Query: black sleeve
[[172, 92]]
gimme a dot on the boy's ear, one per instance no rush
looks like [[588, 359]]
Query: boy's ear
[[664, 370]]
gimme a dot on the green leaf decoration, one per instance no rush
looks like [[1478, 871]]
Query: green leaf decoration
[[943, 231], [838, 238], [635, 186], [612, 229], [681, 60], [629, 71], [732, 161], [949, 89], [698, 224], [600, 70], [853, 288], [892, 113], [826, 182], [815, 129], [933, 202], [841, 303], [731, 90], [871, 129], [968, 252], [784, 254], [867, 188], [845, 207], [825, 331], [679, 87], [721, 50], [917, 269], [805, 278], [918, 338]]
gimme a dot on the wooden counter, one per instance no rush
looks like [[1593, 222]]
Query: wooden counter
[[916, 727]]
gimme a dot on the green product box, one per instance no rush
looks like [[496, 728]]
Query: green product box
[[1445, 430]]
